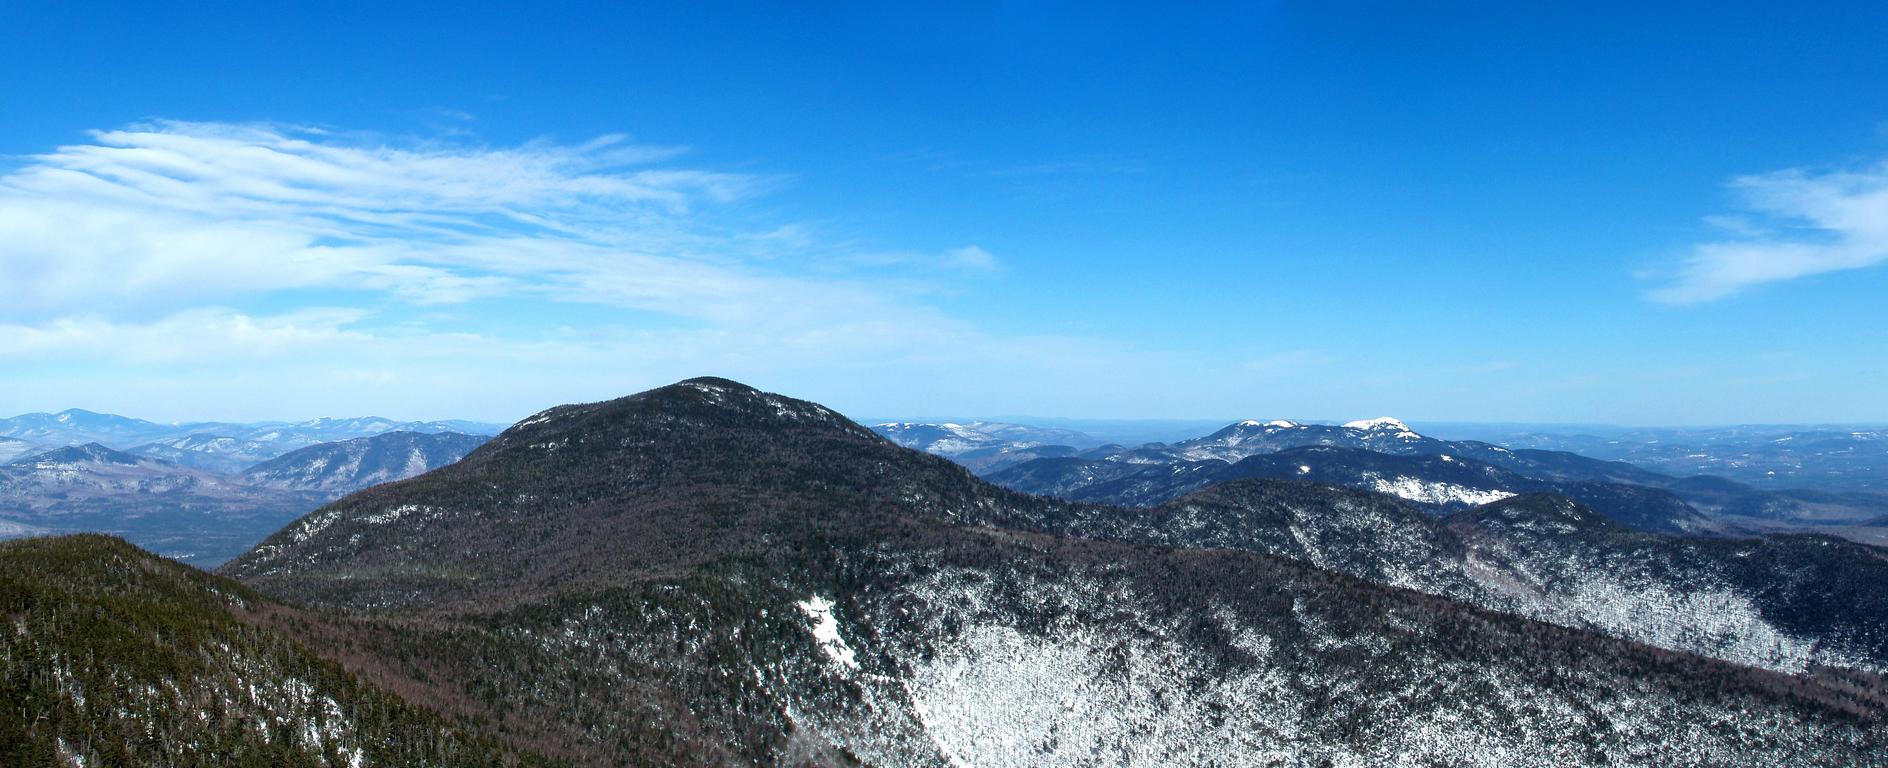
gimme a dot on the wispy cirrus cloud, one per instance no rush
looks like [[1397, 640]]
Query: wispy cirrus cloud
[[1800, 223], [172, 215], [194, 336], [163, 250]]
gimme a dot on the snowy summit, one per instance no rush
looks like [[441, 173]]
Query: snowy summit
[[1379, 423]]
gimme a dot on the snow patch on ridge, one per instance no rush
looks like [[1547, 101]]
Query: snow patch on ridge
[[394, 514], [1382, 424], [1434, 493], [826, 631], [1275, 423]]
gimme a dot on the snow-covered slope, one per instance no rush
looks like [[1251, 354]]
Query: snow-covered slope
[[1789, 603], [942, 438], [10, 529], [1252, 437]]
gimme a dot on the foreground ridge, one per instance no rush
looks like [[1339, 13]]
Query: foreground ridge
[[113, 656]]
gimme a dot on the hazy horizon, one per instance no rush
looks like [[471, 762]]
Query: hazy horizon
[[1175, 427]]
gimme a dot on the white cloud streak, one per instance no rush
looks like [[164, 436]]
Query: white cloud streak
[[1806, 223], [281, 255], [171, 216]]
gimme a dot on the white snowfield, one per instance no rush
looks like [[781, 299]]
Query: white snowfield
[[826, 631], [1274, 424], [1427, 492], [1133, 691], [1387, 424]]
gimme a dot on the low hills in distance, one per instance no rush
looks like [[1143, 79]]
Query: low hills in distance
[[1826, 457], [709, 574], [220, 447], [1387, 455], [200, 515]]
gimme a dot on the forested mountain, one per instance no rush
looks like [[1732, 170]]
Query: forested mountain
[[705, 573], [111, 656]]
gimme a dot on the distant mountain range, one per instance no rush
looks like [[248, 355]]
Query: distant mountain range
[[985, 445], [197, 515], [1832, 459], [222, 447], [1385, 454], [1440, 483], [186, 513]]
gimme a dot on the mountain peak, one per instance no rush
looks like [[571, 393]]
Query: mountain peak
[[80, 416], [696, 469], [713, 381], [1379, 423], [710, 399], [89, 452]]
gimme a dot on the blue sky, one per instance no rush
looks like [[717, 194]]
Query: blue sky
[[1304, 210]]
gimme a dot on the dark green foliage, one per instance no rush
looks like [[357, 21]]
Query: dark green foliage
[[122, 658]]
